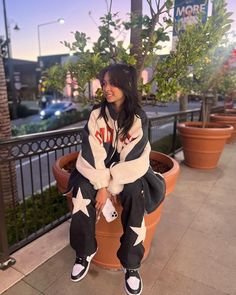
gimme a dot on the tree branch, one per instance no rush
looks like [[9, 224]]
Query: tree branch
[[155, 20], [151, 8]]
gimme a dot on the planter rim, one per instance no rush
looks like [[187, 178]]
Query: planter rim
[[73, 154], [175, 166], [224, 115], [61, 175], [196, 125]]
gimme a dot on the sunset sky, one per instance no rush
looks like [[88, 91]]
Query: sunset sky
[[28, 14]]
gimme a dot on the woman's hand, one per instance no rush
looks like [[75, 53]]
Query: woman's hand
[[101, 198]]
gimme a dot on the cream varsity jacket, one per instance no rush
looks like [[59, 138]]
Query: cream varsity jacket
[[102, 144]]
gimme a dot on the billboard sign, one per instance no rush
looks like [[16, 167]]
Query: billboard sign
[[187, 13]]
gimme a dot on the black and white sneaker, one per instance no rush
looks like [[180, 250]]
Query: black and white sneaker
[[81, 267], [133, 282]]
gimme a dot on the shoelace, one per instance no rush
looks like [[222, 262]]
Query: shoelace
[[133, 272], [80, 260]]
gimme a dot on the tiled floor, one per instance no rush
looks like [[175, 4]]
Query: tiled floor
[[193, 251]]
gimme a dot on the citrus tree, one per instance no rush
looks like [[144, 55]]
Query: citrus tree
[[171, 74], [193, 58], [55, 78], [146, 34]]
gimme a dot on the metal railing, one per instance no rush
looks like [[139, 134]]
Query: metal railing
[[26, 161], [164, 125]]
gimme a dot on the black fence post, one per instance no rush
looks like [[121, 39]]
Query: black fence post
[[192, 115], [149, 131], [174, 137], [5, 260]]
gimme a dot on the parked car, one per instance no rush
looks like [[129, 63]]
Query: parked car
[[194, 97], [57, 109], [45, 101]]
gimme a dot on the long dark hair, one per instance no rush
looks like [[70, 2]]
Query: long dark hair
[[123, 77]]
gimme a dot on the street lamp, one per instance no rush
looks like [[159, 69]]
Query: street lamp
[[60, 21]]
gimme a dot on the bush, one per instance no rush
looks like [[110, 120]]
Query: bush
[[34, 214], [51, 124], [30, 128], [22, 111], [68, 119], [164, 144]]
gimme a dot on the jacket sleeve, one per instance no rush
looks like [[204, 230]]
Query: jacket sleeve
[[90, 162], [134, 157]]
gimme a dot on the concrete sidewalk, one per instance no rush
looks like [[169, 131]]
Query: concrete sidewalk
[[193, 252]]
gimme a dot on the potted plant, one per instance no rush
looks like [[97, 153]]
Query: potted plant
[[226, 118], [203, 142], [226, 87], [109, 233], [193, 66]]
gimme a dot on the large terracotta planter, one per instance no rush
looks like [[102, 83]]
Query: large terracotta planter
[[108, 234], [202, 147], [226, 118]]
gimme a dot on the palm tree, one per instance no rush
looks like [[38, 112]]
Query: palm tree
[[5, 131], [7, 171]]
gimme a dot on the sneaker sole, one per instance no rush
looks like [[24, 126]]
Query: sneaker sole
[[80, 278]]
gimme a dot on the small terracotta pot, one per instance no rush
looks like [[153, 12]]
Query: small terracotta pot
[[226, 118], [108, 234]]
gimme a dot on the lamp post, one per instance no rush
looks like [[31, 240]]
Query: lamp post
[[6, 28], [60, 21], [40, 62]]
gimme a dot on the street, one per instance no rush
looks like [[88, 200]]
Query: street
[[152, 109], [34, 174]]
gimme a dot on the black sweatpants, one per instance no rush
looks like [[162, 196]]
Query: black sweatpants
[[82, 229]]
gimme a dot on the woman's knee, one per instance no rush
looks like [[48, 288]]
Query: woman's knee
[[85, 186], [132, 190]]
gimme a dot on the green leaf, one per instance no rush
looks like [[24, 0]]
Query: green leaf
[[169, 4]]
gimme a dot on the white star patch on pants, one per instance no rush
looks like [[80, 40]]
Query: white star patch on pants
[[80, 204], [141, 232]]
